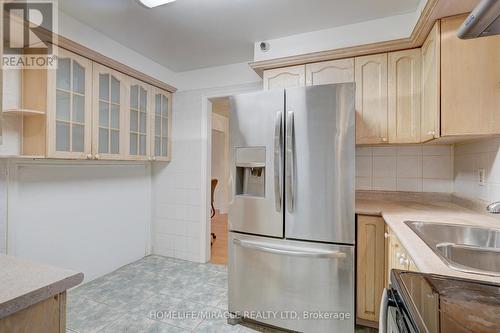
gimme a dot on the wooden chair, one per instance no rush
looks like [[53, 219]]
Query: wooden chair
[[214, 185]]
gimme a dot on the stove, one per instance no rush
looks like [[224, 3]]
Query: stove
[[427, 303]]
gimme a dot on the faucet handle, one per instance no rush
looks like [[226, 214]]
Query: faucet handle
[[494, 208]]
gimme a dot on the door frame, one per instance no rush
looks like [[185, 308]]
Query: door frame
[[206, 175], [206, 160]]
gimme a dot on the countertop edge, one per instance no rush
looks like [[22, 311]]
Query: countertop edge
[[22, 302]]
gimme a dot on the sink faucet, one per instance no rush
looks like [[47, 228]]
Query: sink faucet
[[494, 208]]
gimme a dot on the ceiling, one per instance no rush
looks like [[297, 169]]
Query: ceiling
[[192, 34]]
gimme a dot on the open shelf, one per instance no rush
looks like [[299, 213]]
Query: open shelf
[[23, 112]]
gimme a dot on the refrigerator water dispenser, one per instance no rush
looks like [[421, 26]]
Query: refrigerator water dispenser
[[251, 171]]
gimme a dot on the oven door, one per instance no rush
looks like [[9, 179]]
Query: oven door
[[393, 318]]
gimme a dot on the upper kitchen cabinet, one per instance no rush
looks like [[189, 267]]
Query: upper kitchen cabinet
[[139, 132], [161, 127], [109, 116], [371, 99], [404, 85], [431, 77], [329, 72], [69, 127], [288, 77], [470, 82], [55, 106]]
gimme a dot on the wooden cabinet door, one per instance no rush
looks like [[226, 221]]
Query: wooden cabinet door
[[371, 99], [431, 77], [69, 107], [404, 87], [288, 77], [138, 120], [397, 255], [161, 125], [370, 266], [470, 82], [109, 116], [329, 72]]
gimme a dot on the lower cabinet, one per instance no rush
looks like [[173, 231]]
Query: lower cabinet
[[378, 251], [370, 268], [46, 316]]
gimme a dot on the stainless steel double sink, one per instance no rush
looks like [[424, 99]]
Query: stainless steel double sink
[[464, 248]]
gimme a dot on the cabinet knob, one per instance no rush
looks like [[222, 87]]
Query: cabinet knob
[[384, 139], [89, 156], [398, 255], [403, 261], [97, 156], [154, 158], [386, 235], [149, 158], [431, 133]]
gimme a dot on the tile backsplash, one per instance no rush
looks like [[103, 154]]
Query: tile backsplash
[[413, 168], [473, 158]]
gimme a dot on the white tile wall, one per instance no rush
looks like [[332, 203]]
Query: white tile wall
[[177, 186], [469, 159], [414, 168]]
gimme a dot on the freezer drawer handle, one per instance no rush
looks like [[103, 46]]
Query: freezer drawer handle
[[277, 160], [290, 162], [289, 250]]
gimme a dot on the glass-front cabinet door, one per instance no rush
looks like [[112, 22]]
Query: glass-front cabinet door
[[138, 128], [69, 107], [109, 116], [161, 125]]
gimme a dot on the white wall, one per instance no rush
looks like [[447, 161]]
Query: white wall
[[181, 189], [469, 159], [218, 169], [3, 206], [90, 217], [415, 168], [379, 30], [81, 33]]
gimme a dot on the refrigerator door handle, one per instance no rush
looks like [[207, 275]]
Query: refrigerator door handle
[[278, 160], [290, 162], [289, 250]]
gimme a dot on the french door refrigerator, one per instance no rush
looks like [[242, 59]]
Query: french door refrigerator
[[291, 214]]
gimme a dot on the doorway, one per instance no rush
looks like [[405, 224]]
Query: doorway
[[219, 179]]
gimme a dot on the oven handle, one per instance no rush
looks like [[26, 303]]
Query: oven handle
[[384, 307], [288, 250]]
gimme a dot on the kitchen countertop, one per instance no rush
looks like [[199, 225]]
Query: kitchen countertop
[[395, 212], [24, 283]]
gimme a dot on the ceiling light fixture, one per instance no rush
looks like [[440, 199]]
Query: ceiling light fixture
[[155, 3]]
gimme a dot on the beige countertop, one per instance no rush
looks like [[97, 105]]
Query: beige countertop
[[395, 212], [24, 283]]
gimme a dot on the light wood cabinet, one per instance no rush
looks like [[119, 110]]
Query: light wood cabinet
[[85, 110], [370, 265], [48, 315], [57, 111], [161, 125], [371, 99], [109, 114], [288, 77], [139, 120], [397, 256], [404, 86], [470, 82], [431, 84], [330, 72]]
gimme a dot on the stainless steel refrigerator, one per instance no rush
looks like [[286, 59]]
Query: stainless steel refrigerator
[[291, 215]]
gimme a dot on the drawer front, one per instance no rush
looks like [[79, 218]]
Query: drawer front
[[269, 276]]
